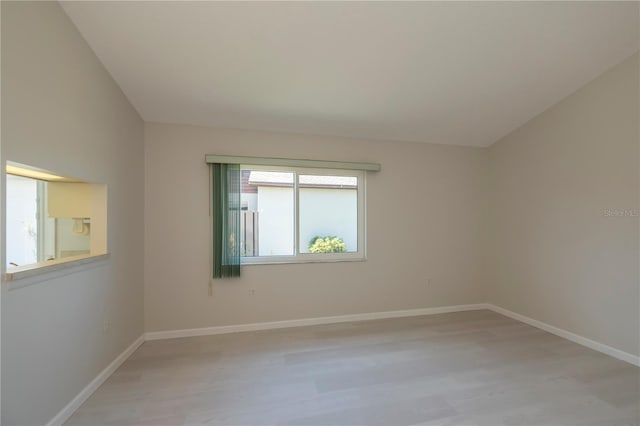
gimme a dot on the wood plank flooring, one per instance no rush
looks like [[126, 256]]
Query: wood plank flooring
[[466, 368]]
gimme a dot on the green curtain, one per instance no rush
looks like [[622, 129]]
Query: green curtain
[[226, 211]]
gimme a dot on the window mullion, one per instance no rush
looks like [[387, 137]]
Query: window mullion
[[296, 206]]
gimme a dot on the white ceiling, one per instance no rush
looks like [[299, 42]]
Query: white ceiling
[[455, 73]]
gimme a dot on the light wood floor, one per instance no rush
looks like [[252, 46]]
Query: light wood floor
[[467, 368]]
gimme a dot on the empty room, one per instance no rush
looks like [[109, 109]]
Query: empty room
[[320, 213]]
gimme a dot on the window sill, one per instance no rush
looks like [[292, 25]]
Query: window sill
[[21, 276], [276, 260]]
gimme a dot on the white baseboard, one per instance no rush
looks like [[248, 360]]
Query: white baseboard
[[72, 406], [67, 411], [206, 331], [576, 338], [76, 402]]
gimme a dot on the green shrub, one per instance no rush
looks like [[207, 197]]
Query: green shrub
[[327, 245]]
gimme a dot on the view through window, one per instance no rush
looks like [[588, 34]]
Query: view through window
[[300, 214]]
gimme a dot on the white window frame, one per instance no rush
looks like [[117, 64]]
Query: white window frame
[[299, 257]]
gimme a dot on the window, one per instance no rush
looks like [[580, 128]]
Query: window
[[285, 210], [51, 219], [300, 214]]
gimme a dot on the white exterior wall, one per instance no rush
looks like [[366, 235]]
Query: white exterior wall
[[275, 205], [251, 200], [323, 212], [329, 212]]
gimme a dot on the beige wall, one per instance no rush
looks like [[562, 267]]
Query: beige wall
[[558, 257], [62, 111], [545, 249], [426, 211]]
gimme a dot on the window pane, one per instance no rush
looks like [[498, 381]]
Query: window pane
[[267, 224], [328, 213]]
